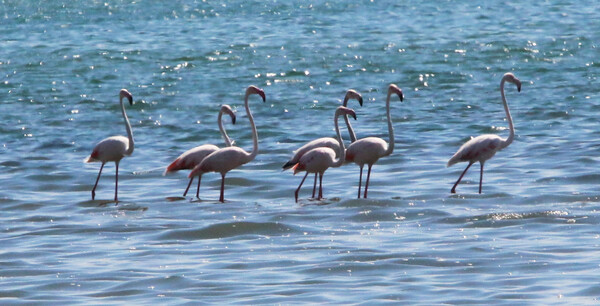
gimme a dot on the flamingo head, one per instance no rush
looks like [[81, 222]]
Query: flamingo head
[[509, 77], [126, 94], [353, 94], [227, 110], [395, 89], [342, 110], [255, 90]]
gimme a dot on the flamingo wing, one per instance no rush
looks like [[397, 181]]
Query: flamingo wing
[[192, 157], [326, 142], [480, 148]]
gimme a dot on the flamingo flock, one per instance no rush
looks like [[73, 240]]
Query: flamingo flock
[[314, 157]]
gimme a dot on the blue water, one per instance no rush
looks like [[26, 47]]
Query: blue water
[[532, 237]]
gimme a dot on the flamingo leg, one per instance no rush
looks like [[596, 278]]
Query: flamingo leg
[[360, 180], [320, 186], [222, 197], [367, 183], [314, 186], [116, 181], [188, 187], [460, 178], [480, 176], [298, 189], [97, 179], [198, 189]]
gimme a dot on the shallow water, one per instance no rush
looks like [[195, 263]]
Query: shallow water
[[531, 237]]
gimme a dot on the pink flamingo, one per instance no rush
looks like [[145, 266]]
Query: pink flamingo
[[192, 157], [320, 159], [484, 147], [369, 150], [226, 159], [113, 148], [327, 142]]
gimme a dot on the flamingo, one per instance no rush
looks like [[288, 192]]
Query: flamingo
[[318, 160], [484, 147], [226, 159], [113, 148], [368, 150], [192, 157], [327, 142]]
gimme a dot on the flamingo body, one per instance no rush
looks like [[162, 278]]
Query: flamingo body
[[478, 149], [366, 151], [222, 161], [484, 147], [370, 149], [318, 160], [114, 148], [111, 149], [192, 157], [324, 142], [227, 159]]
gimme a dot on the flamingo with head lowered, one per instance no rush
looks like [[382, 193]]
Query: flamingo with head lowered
[[484, 147], [226, 159], [368, 150], [192, 157], [318, 160], [325, 142], [113, 149]]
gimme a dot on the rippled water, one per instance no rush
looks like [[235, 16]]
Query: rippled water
[[532, 237]]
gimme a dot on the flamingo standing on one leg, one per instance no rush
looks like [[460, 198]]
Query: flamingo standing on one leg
[[226, 159], [484, 147], [192, 157], [369, 150], [114, 148], [320, 159], [327, 142]]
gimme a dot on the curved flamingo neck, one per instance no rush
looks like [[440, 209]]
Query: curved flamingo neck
[[511, 128], [128, 128], [390, 147], [342, 150], [254, 152], [222, 130], [350, 129]]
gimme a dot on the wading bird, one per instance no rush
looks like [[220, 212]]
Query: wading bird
[[192, 157], [484, 147], [368, 150], [113, 149], [320, 159], [327, 142], [226, 159]]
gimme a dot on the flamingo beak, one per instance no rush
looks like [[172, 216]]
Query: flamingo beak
[[232, 117], [353, 114], [519, 87], [360, 101], [262, 95], [130, 98]]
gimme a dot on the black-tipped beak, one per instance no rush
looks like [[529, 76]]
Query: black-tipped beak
[[262, 94], [354, 116], [401, 97], [519, 88], [233, 118], [130, 98], [360, 101]]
